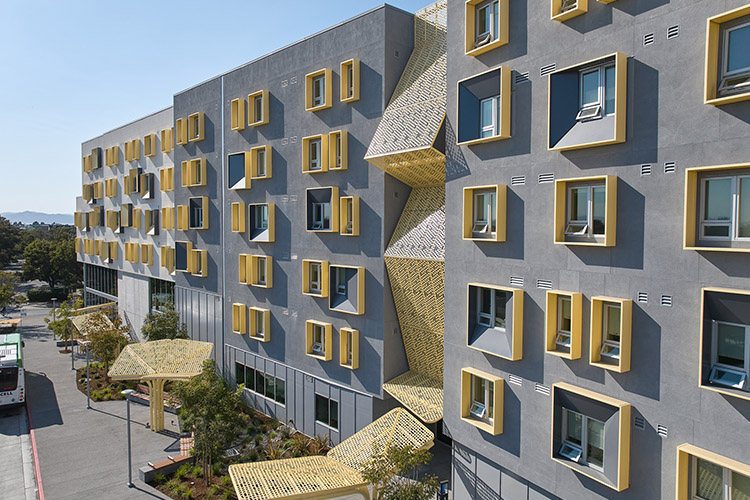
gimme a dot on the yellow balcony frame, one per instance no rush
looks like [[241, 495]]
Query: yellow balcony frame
[[344, 72], [166, 179], [181, 131], [133, 150], [137, 217], [254, 311], [268, 152], [323, 278], [166, 140], [343, 220], [149, 145], [500, 209], [327, 340], [470, 27], [99, 190], [360, 309], [147, 253], [713, 34], [78, 244], [504, 114], [576, 323], [626, 322], [182, 217], [582, 6], [192, 170], [271, 231], [98, 247], [343, 347], [516, 327], [243, 270], [238, 217], [496, 427], [323, 154], [684, 473], [610, 210], [167, 258], [196, 127], [624, 425], [167, 218], [254, 267], [332, 150], [237, 111], [326, 73], [202, 257], [265, 112], [239, 318], [110, 188]]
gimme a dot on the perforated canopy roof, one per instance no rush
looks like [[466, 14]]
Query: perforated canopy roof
[[176, 359]]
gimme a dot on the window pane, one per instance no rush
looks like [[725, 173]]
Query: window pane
[[743, 225], [709, 483], [612, 319], [600, 199], [740, 487], [579, 204], [574, 424], [478, 390], [487, 120], [493, 211], [270, 386], [739, 49], [590, 88], [239, 373], [483, 20], [718, 203], [595, 442], [321, 409], [250, 378], [485, 301], [280, 391], [334, 415], [730, 348], [260, 382], [495, 20], [565, 314], [609, 90], [480, 209], [500, 299]]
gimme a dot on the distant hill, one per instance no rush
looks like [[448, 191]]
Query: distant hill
[[29, 217]]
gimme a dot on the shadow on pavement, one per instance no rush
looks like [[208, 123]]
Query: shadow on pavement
[[42, 391]]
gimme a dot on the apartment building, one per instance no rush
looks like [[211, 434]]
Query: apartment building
[[597, 291]]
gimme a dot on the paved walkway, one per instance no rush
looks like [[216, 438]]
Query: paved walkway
[[16, 466]]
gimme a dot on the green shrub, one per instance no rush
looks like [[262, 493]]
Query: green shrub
[[188, 493], [44, 294], [213, 490], [179, 490], [182, 472], [258, 439], [227, 495], [226, 481], [158, 478], [272, 435], [216, 468], [107, 396], [172, 484], [196, 471], [253, 456]]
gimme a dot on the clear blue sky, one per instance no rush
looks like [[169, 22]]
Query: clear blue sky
[[71, 70]]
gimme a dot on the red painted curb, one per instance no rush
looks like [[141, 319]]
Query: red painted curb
[[37, 473]]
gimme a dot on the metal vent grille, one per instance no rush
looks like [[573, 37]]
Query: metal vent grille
[[292, 197], [293, 80], [518, 180], [284, 83], [544, 284], [545, 178], [662, 430], [645, 170], [542, 389], [673, 31], [648, 39], [666, 300], [546, 70], [293, 139], [284, 141], [284, 199], [670, 167], [522, 78], [639, 423], [643, 297], [516, 281], [514, 379]]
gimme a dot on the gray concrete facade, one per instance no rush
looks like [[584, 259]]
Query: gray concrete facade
[[667, 121]]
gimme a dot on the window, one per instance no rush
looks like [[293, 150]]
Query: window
[[262, 218], [238, 217], [261, 272], [199, 263], [591, 434], [194, 172], [181, 131], [237, 111], [610, 333], [318, 90], [133, 150], [705, 475], [564, 318], [482, 400], [167, 259], [318, 339], [350, 80], [161, 295], [321, 216], [349, 348], [258, 108], [239, 170], [338, 151], [341, 283], [149, 145], [495, 323], [323, 209], [347, 290], [166, 179], [260, 162], [486, 25], [326, 411], [152, 222], [483, 112], [133, 181], [166, 140], [148, 186], [260, 324], [315, 278], [562, 10], [587, 104], [239, 316], [196, 131], [315, 154], [484, 213], [167, 218], [261, 384], [729, 354], [728, 57], [349, 210], [183, 252], [198, 213], [590, 206]]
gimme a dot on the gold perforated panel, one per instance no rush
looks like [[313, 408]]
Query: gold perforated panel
[[176, 359]]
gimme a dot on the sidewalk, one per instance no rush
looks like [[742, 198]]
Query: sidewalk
[[83, 453], [17, 467]]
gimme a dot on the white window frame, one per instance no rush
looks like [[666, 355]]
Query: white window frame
[[349, 215], [494, 127], [726, 476], [484, 228], [315, 161], [491, 34], [566, 5], [595, 109], [195, 215], [315, 268], [337, 146], [488, 320], [588, 224], [734, 222], [258, 113], [342, 285], [717, 369], [260, 163], [318, 90], [259, 328], [727, 75], [568, 447], [350, 80], [482, 410], [318, 339], [349, 354], [319, 215], [261, 217], [610, 348], [563, 338], [261, 263]]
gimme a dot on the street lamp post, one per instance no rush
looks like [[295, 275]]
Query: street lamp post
[[127, 393], [54, 308], [86, 344], [72, 349]]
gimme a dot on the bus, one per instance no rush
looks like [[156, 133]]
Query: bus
[[12, 387]]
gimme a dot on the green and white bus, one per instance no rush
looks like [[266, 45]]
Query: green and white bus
[[12, 386]]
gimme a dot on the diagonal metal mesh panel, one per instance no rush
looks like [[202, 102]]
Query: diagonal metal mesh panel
[[84, 327], [420, 393], [176, 359], [420, 232]]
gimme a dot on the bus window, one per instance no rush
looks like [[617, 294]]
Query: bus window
[[8, 379]]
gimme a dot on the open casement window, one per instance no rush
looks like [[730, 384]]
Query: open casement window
[[588, 104], [482, 400], [349, 348], [486, 25], [323, 209], [260, 324], [181, 131], [484, 213], [239, 318], [238, 217], [591, 434], [484, 107], [563, 324], [260, 162], [261, 271], [258, 108], [729, 355], [349, 215], [705, 475], [315, 278], [350, 80], [198, 212], [199, 263], [318, 90], [262, 222], [346, 292], [315, 154], [239, 170], [318, 338], [611, 320], [237, 111], [728, 57], [166, 140], [586, 211], [196, 130], [337, 150], [562, 10], [495, 320]]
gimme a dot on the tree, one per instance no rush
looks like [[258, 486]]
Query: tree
[[394, 475], [7, 293], [212, 412], [9, 237], [164, 325], [38, 262], [53, 262], [62, 325], [107, 338]]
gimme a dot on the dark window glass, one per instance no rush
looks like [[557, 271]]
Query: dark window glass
[[239, 373], [280, 391], [8, 379], [334, 414], [321, 409]]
